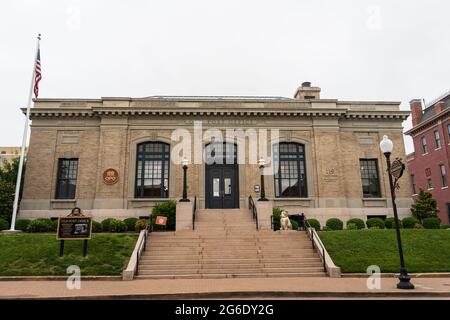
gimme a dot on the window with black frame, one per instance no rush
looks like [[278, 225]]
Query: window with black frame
[[290, 170], [152, 170], [66, 183], [370, 178]]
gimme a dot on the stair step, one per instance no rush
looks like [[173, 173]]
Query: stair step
[[221, 276], [229, 266]]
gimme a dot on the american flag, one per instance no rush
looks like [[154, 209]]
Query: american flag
[[37, 73]]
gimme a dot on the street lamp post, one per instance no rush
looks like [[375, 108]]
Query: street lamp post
[[386, 147], [262, 163], [185, 163]]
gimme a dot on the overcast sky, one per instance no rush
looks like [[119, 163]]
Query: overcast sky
[[354, 50]]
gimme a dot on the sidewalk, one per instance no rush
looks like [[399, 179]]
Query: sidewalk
[[432, 288]]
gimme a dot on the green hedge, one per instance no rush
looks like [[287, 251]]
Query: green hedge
[[335, 224], [445, 226], [314, 223], [167, 209], [22, 224], [390, 223], [117, 226], [4, 225], [359, 223], [96, 226], [141, 224], [41, 225], [376, 223], [432, 223], [410, 222], [131, 223], [106, 224]]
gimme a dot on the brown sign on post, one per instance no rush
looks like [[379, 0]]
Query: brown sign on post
[[74, 227], [397, 168]]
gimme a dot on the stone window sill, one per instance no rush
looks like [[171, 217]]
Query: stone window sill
[[444, 188], [63, 200], [290, 199], [374, 202], [150, 199]]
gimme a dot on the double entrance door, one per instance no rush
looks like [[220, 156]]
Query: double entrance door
[[222, 186]]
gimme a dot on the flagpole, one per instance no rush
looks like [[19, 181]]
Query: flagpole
[[24, 140]]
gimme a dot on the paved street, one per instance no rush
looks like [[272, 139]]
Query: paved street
[[438, 288]]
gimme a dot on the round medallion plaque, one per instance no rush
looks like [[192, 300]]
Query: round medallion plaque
[[110, 176]]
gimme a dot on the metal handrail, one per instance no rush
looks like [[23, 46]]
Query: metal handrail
[[252, 207], [194, 210], [310, 231], [138, 251]]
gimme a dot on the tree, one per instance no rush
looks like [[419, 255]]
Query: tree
[[8, 177], [425, 206]]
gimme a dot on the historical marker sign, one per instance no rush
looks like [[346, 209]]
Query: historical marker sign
[[74, 227], [397, 168]]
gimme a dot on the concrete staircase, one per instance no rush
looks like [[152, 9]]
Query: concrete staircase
[[226, 244]]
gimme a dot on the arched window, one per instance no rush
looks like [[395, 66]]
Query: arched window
[[290, 170], [152, 170]]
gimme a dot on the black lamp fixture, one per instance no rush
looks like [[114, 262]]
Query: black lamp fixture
[[262, 164], [185, 163], [386, 147]]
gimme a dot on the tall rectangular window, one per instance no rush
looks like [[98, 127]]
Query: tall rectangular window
[[443, 176], [437, 140], [152, 170], [66, 183], [413, 182], [290, 170], [448, 132], [424, 145], [430, 183], [370, 178]]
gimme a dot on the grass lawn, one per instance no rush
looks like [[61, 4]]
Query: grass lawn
[[34, 254], [354, 251]]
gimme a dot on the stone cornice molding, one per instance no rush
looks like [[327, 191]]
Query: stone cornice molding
[[99, 112]]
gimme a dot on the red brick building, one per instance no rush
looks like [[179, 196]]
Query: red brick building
[[429, 164]]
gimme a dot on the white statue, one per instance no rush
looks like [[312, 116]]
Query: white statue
[[285, 223]]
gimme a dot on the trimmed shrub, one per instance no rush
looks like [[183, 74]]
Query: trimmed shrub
[[390, 223], [4, 225], [167, 209], [314, 223], [418, 226], [445, 226], [326, 228], [359, 223], [375, 222], [117, 226], [352, 226], [106, 223], [141, 224], [131, 223], [54, 225], [410, 222], [432, 223], [22, 224], [335, 224], [96, 226], [40, 225]]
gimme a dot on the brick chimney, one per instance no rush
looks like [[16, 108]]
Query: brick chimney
[[439, 106], [416, 110], [306, 92]]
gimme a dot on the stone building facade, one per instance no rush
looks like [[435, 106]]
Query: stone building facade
[[112, 157]]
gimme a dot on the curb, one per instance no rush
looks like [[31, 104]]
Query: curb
[[246, 294], [59, 278], [396, 275]]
